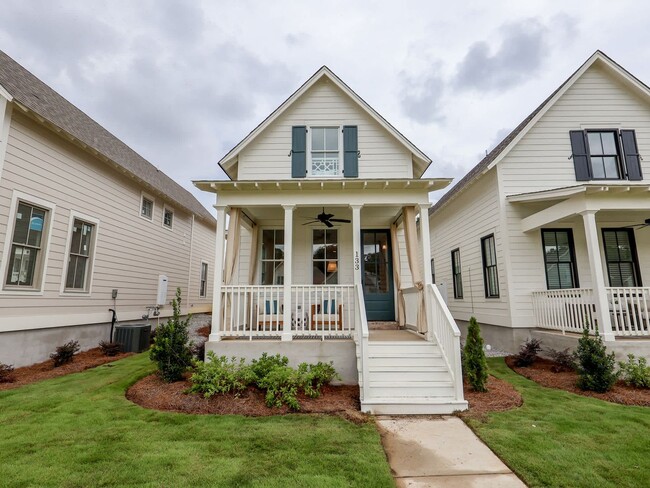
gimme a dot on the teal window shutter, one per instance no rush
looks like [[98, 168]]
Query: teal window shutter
[[350, 152], [298, 151]]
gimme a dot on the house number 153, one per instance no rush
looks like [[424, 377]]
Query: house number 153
[[357, 261]]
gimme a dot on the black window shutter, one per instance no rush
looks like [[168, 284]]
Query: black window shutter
[[580, 155], [631, 152], [298, 151], [350, 152]]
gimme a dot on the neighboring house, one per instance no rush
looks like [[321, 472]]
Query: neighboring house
[[81, 215], [544, 236], [323, 240]]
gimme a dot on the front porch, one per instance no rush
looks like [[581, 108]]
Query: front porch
[[304, 279]]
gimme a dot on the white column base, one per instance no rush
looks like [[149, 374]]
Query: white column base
[[286, 336], [214, 337], [608, 337]]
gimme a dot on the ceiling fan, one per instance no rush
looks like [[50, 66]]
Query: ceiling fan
[[645, 223], [326, 218]]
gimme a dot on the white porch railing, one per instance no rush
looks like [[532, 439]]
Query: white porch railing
[[629, 309], [567, 310], [443, 328], [362, 335], [258, 311]]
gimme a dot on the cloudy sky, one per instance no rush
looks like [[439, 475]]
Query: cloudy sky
[[183, 81]]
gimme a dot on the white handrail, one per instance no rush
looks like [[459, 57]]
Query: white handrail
[[362, 334], [629, 308], [443, 328], [569, 309]]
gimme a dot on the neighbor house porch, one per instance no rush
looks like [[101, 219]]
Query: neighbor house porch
[[596, 259], [304, 279]]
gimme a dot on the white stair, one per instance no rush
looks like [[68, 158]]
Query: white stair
[[408, 377]]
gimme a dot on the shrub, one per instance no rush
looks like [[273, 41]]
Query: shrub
[[6, 371], [282, 384], [265, 364], [636, 372], [595, 366], [65, 353], [564, 360], [314, 376], [220, 375], [170, 348], [110, 348], [474, 362], [528, 352]]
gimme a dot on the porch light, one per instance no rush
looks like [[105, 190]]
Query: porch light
[[331, 267]]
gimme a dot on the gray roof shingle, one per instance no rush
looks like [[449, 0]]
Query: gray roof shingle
[[42, 100]]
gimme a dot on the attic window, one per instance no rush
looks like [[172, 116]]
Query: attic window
[[325, 157]]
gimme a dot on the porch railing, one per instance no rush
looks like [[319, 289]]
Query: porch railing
[[629, 309], [315, 311], [362, 341], [445, 332], [567, 310]]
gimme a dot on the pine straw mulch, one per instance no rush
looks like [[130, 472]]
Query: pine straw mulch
[[501, 396], [45, 370], [540, 372], [152, 392]]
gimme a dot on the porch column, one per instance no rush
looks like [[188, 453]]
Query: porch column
[[215, 332], [288, 270], [598, 278], [425, 242], [356, 243]]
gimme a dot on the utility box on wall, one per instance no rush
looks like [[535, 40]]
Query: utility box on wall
[[162, 290]]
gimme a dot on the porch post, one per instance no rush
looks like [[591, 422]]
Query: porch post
[[598, 278], [356, 243], [288, 270], [215, 332], [425, 242]]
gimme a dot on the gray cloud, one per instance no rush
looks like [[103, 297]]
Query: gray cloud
[[519, 57], [421, 95]]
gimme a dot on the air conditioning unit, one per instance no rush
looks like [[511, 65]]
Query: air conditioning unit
[[133, 337]]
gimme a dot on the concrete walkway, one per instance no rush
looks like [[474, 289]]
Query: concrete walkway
[[441, 452]]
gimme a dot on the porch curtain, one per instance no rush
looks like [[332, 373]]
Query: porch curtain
[[252, 266], [397, 269], [232, 244], [411, 235]]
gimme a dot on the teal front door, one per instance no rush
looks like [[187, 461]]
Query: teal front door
[[377, 275]]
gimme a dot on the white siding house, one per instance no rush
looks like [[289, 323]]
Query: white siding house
[[566, 197], [323, 246], [81, 215]]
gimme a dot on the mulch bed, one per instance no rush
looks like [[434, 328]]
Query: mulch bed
[[43, 371], [204, 331], [500, 396], [540, 372], [152, 392]]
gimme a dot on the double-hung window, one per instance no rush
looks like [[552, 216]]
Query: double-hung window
[[146, 207], [27, 247], [456, 273], [325, 151], [203, 290], [168, 217], [325, 259], [490, 271], [272, 257], [82, 242], [621, 257], [559, 259], [605, 154]]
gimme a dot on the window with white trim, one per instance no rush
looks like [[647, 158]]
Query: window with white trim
[[272, 257], [26, 256], [325, 151], [82, 244], [203, 290], [456, 273], [490, 271], [146, 207], [168, 217]]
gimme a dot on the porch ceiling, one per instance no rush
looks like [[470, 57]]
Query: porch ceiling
[[375, 216]]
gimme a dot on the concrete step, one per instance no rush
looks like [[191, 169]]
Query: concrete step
[[412, 406]]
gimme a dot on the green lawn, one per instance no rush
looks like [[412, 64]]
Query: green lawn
[[79, 430], [561, 439]]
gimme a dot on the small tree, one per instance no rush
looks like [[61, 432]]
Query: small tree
[[171, 348], [595, 366], [474, 362]]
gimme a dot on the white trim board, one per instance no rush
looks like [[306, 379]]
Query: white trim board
[[90, 271]]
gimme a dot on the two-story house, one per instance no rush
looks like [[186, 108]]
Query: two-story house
[[86, 225], [549, 233], [322, 240]]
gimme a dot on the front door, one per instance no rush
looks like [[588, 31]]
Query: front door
[[377, 275]]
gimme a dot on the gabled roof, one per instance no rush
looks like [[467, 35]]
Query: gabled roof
[[47, 106], [504, 147], [421, 160]]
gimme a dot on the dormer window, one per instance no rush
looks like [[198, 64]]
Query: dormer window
[[325, 157], [605, 154]]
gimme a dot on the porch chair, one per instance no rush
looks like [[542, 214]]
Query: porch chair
[[270, 316], [327, 315]]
